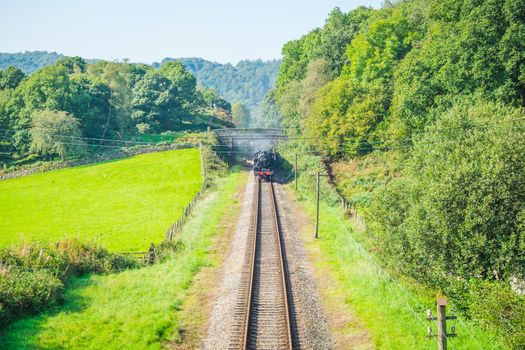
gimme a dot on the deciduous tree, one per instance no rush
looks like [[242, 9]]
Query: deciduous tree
[[56, 132], [10, 78], [241, 115]]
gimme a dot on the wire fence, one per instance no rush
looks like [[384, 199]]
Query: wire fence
[[354, 214], [175, 229], [150, 256], [123, 152]]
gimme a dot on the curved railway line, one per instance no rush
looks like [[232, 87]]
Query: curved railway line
[[262, 312]]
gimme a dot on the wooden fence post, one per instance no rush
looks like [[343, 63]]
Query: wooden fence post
[[152, 254], [442, 323], [441, 318]]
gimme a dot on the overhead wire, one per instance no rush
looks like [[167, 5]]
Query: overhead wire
[[94, 138], [55, 129], [384, 143]]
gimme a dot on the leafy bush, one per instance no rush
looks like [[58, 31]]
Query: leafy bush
[[216, 166], [167, 249], [32, 277], [497, 306], [85, 258], [459, 206], [66, 258], [28, 291]]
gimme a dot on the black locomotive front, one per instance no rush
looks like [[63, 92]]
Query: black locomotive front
[[263, 163]]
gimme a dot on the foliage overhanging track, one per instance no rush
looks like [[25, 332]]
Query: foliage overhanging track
[[262, 313]]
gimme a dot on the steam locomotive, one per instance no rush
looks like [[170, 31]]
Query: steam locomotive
[[263, 163]]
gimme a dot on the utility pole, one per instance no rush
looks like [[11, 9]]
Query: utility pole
[[317, 205], [295, 172], [317, 209], [441, 319]]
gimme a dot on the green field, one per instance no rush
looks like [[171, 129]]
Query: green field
[[124, 204], [135, 309]]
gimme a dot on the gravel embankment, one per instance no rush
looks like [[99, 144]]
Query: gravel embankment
[[221, 319], [311, 327]]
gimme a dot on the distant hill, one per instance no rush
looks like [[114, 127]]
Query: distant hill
[[31, 61], [247, 81], [28, 61]]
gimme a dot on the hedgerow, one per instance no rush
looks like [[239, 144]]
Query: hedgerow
[[455, 220]]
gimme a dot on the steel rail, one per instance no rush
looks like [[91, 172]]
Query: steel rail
[[281, 260], [239, 334], [252, 265], [253, 307]]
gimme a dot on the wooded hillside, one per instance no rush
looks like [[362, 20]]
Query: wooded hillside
[[431, 93], [246, 82]]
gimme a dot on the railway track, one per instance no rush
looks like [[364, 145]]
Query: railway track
[[262, 313]]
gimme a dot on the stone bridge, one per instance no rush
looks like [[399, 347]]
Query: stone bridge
[[248, 141]]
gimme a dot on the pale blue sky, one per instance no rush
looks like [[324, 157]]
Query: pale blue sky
[[149, 30]]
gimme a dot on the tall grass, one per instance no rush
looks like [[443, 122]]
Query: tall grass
[[33, 276]]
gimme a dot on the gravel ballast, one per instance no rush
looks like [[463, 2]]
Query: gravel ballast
[[221, 319], [309, 324], [311, 327]]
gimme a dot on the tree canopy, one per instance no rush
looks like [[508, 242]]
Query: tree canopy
[[246, 82], [241, 115], [56, 132], [103, 100]]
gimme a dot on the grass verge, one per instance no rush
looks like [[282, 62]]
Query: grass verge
[[137, 309], [202, 295], [393, 311]]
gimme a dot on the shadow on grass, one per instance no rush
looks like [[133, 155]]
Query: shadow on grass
[[24, 332], [284, 172]]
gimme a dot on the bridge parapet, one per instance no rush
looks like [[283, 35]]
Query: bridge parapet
[[249, 140]]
